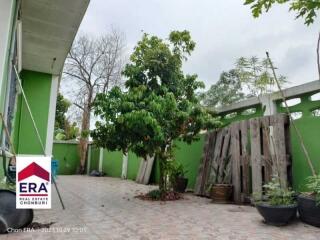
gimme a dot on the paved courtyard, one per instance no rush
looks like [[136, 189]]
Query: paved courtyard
[[105, 208]]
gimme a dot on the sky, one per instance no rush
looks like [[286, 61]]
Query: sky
[[223, 30]]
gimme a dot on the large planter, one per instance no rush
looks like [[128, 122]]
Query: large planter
[[309, 212], [10, 217], [180, 184], [221, 193], [277, 215]]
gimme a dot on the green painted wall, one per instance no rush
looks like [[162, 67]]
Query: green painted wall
[[68, 156], [37, 89], [189, 155], [94, 164], [310, 131], [133, 166], [112, 163], [309, 127], [240, 114]]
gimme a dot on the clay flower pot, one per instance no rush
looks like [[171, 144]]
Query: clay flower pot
[[221, 193]]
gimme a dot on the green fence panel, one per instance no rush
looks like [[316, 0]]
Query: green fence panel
[[94, 161], [68, 156], [189, 155], [310, 131], [133, 166], [112, 163]]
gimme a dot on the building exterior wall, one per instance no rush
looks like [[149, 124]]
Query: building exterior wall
[[37, 87], [7, 20]]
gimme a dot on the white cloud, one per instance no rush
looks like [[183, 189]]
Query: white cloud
[[223, 31]]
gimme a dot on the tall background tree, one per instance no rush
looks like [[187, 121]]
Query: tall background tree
[[93, 65], [251, 77], [159, 105]]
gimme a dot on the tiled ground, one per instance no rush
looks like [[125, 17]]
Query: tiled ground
[[105, 208]]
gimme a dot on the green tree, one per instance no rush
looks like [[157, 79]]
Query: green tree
[[159, 105], [62, 107], [64, 130], [306, 9], [251, 77], [256, 76], [227, 90]]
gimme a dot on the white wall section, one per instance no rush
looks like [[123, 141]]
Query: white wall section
[[5, 27], [52, 114]]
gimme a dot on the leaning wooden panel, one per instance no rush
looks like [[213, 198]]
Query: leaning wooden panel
[[204, 159], [255, 155], [267, 160], [278, 122], [245, 159], [223, 158], [235, 160], [214, 157], [204, 168]]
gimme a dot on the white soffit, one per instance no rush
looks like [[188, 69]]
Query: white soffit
[[48, 30]]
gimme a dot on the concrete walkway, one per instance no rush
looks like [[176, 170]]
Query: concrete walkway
[[105, 208]]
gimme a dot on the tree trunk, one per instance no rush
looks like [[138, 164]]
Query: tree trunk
[[163, 186], [83, 143]]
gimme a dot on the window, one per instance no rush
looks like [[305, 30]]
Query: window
[[230, 115], [291, 102], [249, 111], [316, 112], [315, 97], [296, 115]]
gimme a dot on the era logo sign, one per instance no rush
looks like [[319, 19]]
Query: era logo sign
[[33, 186]]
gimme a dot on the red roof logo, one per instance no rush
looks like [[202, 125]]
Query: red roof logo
[[33, 170]]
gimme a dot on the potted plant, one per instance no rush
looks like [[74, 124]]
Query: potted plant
[[220, 187], [309, 203], [177, 177], [278, 206]]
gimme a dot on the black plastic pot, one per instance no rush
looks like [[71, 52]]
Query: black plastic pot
[[309, 212], [277, 215], [10, 217], [180, 184]]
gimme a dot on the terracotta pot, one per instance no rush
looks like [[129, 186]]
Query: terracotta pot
[[221, 193]]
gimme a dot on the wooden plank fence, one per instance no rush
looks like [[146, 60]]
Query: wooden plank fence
[[257, 149]]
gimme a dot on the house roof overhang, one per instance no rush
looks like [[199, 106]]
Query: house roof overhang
[[48, 30]]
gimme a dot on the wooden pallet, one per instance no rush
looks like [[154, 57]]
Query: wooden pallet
[[256, 147]]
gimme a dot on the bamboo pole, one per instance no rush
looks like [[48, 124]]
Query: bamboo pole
[[291, 119]]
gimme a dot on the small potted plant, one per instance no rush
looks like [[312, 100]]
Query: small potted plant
[[309, 203], [178, 180], [278, 206], [220, 187]]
